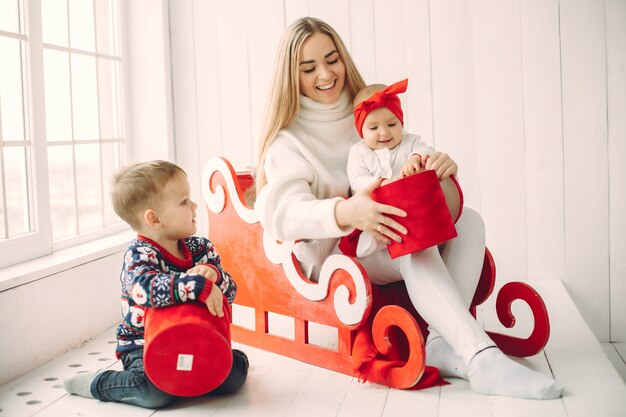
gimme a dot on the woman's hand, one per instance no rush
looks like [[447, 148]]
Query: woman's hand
[[363, 213], [442, 164]]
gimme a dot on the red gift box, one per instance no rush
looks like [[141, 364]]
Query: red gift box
[[187, 350], [428, 220]]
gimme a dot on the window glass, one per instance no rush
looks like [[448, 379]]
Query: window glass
[[112, 159], [54, 22], [88, 187], [82, 30], [17, 190], [84, 97], [12, 118], [62, 192], [108, 73], [3, 225], [58, 98], [10, 18]]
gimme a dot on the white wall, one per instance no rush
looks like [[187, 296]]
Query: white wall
[[47, 317], [149, 122], [528, 96]]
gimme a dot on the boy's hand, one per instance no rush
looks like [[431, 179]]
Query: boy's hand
[[215, 302], [204, 270], [412, 166]]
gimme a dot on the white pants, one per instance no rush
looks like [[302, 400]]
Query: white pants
[[441, 286]]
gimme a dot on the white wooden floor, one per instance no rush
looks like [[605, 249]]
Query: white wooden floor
[[278, 386]]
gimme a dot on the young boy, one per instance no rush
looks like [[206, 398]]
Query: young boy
[[164, 265], [385, 152]]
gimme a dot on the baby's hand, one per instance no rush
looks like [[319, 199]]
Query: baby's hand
[[204, 270], [442, 164], [412, 166], [215, 302]]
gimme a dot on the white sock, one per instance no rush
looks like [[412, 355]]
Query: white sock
[[367, 245], [313, 252], [491, 372], [80, 384], [441, 355]]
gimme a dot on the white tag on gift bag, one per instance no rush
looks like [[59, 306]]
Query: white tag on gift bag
[[185, 362]]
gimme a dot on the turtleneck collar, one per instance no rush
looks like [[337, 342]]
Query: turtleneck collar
[[316, 111]]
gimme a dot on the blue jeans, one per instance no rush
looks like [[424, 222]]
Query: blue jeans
[[132, 386]]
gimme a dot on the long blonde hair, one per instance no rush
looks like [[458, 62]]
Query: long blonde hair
[[284, 99]]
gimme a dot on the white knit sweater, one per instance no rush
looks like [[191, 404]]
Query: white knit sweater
[[306, 172]]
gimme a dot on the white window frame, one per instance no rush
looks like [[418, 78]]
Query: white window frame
[[38, 243]]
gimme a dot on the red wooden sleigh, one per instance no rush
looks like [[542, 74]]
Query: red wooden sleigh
[[270, 280]]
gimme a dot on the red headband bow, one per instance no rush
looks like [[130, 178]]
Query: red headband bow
[[385, 98]]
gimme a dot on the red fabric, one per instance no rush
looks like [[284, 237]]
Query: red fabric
[[385, 98], [347, 244], [461, 198], [428, 219], [187, 350], [367, 361]]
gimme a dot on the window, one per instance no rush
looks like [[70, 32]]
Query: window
[[61, 127]]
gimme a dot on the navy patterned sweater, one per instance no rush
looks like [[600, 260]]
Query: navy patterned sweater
[[152, 278]]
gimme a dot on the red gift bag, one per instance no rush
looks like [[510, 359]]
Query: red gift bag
[[428, 220], [187, 350]]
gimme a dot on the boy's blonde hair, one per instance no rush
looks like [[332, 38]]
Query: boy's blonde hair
[[366, 92], [138, 186], [284, 99]]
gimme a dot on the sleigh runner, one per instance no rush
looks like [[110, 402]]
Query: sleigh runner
[[379, 334]]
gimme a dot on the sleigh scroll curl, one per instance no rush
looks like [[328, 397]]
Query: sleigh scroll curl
[[538, 338], [388, 317], [350, 302], [510, 292], [370, 321], [215, 193]]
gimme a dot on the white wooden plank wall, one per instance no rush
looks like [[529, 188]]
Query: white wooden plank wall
[[543, 138], [528, 96], [616, 91], [500, 132], [585, 156], [453, 90]]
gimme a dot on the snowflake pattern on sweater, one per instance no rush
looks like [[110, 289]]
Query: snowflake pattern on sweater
[[152, 277]]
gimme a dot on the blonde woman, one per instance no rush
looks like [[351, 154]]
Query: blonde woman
[[302, 188]]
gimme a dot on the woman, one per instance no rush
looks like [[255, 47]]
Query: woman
[[302, 186]]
